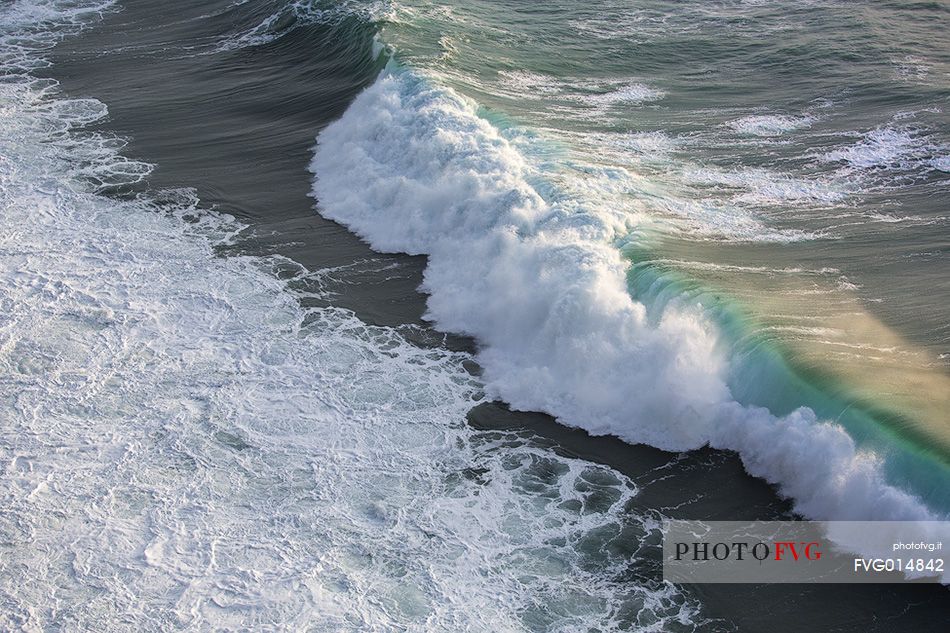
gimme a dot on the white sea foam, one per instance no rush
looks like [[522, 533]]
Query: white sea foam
[[648, 201], [770, 124], [650, 144], [941, 163], [186, 447], [592, 92], [895, 148], [529, 85], [630, 93], [538, 280], [762, 186], [712, 218]]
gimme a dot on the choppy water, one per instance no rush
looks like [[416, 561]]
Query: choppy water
[[669, 223]]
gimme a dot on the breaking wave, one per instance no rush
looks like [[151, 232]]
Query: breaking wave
[[539, 280]]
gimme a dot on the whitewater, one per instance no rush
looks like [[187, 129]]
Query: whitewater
[[186, 447]]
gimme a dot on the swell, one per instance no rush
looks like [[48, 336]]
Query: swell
[[538, 277]]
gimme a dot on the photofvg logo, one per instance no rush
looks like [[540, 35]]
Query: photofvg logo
[[805, 551], [760, 551]]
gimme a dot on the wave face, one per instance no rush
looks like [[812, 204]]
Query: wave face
[[539, 280], [186, 447]]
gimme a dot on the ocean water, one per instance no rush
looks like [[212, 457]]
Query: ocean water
[[681, 226]]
